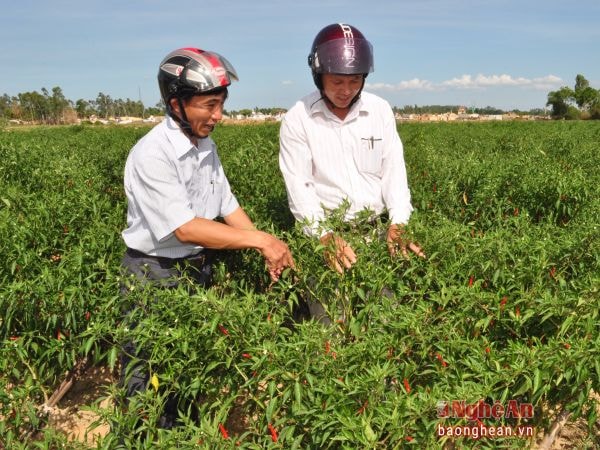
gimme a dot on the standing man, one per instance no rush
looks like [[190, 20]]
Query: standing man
[[174, 180], [341, 144], [176, 187]]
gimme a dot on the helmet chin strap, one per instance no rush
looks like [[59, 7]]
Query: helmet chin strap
[[182, 120]]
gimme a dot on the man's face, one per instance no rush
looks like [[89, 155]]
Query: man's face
[[341, 89], [203, 112]]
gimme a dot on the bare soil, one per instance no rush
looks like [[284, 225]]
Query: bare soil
[[78, 424]]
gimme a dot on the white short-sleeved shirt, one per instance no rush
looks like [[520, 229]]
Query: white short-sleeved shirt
[[168, 182], [325, 160]]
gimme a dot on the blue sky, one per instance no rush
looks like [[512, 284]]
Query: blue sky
[[503, 53]]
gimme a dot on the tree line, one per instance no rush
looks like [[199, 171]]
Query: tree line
[[443, 109], [51, 107]]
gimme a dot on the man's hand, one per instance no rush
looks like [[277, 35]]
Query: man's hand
[[396, 241], [277, 255], [338, 254]]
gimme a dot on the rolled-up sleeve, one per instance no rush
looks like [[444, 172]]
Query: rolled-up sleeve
[[228, 201]]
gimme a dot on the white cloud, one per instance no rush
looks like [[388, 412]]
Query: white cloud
[[466, 81], [547, 82], [414, 84], [287, 82]]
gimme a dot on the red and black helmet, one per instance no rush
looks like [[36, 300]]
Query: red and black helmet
[[191, 71], [340, 48]]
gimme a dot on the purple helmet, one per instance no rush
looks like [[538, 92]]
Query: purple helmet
[[340, 49]]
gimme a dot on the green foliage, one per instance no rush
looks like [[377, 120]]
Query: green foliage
[[505, 307], [583, 95], [54, 108]]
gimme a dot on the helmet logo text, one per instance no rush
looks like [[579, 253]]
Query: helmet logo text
[[349, 49]]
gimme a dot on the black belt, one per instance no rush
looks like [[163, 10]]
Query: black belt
[[203, 256]]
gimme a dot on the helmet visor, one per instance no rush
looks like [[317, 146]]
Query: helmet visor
[[344, 56], [208, 71]]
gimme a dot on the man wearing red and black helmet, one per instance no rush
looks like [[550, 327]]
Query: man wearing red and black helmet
[[176, 188], [340, 144], [174, 180]]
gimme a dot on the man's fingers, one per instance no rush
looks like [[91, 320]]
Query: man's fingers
[[288, 262], [416, 249], [337, 267], [404, 251], [274, 274], [350, 255], [347, 256]]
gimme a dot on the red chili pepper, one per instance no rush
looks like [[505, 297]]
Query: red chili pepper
[[406, 385], [327, 347], [487, 350], [516, 212], [553, 272], [14, 338], [409, 438], [223, 330], [87, 315], [58, 335], [503, 302], [441, 360], [471, 280], [247, 355], [273, 432], [567, 345], [223, 431], [518, 311], [362, 408]]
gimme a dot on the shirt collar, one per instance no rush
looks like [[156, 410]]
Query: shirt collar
[[181, 142], [317, 105]]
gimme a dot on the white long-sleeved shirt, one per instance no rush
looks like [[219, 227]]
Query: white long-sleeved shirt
[[325, 160], [168, 182]]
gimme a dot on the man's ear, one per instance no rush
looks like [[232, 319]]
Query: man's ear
[[175, 106]]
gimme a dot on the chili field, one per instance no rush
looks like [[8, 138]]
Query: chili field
[[503, 312]]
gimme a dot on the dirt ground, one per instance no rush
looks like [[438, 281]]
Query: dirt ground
[[69, 418]]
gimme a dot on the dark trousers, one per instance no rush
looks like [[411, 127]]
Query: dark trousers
[[165, 273]]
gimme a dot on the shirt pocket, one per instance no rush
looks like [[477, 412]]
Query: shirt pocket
[[206, 193], [217, 185], [368, 156]]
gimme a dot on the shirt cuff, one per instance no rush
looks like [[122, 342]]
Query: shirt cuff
[[399, 217]]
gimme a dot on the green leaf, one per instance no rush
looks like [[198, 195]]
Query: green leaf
[[112, 358]]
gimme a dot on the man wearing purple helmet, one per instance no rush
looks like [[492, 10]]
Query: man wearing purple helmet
[[340, 144]]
